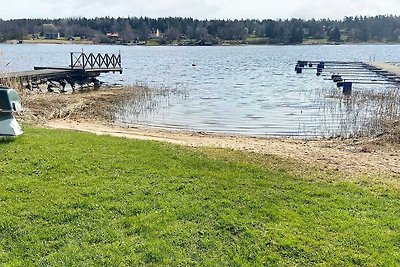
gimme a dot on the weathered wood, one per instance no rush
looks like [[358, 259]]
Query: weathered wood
[[386, 67], [96, 61], [35, 75], [83, 66], [346, 73]]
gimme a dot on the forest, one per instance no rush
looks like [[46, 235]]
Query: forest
[[189, 31]]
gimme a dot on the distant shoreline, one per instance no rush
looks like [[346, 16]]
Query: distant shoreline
[[228, 43], [43, 41]]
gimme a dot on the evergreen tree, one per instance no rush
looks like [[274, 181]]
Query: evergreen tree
[[334, 35], [356, 29]]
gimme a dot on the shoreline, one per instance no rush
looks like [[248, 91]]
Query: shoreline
[[227, 44], [351, 156], [92, 111]]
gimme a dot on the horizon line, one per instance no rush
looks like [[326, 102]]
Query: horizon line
[[201, 19]]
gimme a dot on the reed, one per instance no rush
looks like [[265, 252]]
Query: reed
[[12, 82], [366, 113], [145, 100]]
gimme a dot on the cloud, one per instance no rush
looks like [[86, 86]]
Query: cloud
[[151, 8], [338, 9], [259, 9]]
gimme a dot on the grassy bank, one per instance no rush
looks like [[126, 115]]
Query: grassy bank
[[72, 199]]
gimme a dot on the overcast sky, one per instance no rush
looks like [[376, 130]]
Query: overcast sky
[[258, 9]]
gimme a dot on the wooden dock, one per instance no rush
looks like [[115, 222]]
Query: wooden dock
[[345, 74], [386, 67], [82, 66]]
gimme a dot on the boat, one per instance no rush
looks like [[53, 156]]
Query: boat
[[10, 104]]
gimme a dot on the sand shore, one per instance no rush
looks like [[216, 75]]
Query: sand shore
[[86, 112]]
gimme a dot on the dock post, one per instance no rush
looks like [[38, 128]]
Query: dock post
[[347, 86], [339, 84], [83, 60], [337, 79]]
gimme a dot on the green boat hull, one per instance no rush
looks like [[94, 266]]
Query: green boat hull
[[9, 125]]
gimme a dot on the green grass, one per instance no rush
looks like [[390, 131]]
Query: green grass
[[315, 41], [153, 42], [76, 199], [257, 40]]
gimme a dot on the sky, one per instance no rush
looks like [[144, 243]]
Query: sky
[[201, 9]]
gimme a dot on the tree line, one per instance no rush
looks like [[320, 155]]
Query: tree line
[[193, 31]]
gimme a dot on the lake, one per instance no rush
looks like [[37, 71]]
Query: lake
[[251, 90]]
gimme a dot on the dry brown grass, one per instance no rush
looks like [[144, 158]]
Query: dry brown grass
[[94, 105], [391, 133], [367, 113], [16, 84]]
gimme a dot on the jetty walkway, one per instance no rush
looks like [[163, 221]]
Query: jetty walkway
[[347, 73], [390, 68], [82, 66]]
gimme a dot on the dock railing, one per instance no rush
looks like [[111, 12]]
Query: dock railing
[[91, 61]]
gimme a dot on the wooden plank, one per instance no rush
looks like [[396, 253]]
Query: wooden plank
[[55, 68], [35, 73], [388, 67], [61, 73]]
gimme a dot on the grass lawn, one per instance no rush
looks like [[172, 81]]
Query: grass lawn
[[315, 41], [76, 199]]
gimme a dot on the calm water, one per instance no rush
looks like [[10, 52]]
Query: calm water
[[241, 90]]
